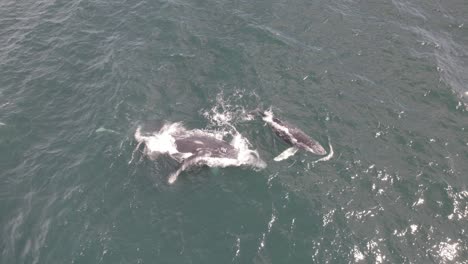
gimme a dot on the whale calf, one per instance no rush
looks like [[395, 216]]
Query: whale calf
[[291, 135], [197, 147]]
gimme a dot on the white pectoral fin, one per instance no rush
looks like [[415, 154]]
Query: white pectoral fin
[[286, 154], [173, 176], [187, 163]]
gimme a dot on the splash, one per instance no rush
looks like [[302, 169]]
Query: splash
[[238, 241], [447, 251], [226, 113]]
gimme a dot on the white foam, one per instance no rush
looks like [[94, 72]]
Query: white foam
[[162, 142], [373, 247], [270, 178], [358, 256], [238, 247], [327, 218], [226, 113], [246, 155], [272, 221], [459, 210], [270, 225], [419, 202], [293, 222], [262, 243], [448, 252]]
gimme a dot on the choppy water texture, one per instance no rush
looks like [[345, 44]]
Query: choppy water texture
[[385, 81]]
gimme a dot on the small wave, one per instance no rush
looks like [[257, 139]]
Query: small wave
[[447, 251], [460, 210], [270, 225], [357, 254], [405, 7], [238, 241], [265, 234], [106, 130]]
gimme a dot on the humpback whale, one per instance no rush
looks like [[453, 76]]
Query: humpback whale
[[196, 148], [291, 135]]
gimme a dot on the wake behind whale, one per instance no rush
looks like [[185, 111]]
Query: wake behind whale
[[198, 147]]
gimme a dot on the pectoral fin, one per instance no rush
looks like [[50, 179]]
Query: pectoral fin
[[286, 154], [191, 161], [174, 175]]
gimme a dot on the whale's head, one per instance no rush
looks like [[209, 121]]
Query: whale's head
[[317, 149]]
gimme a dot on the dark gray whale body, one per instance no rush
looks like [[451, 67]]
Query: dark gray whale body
[[198, 145], [291, 135], [202, 150]]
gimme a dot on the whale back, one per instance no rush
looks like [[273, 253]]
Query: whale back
[[306, 142], [296, 137], [205, 144]]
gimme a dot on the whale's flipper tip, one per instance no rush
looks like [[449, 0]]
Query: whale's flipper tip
[[173, 177], [286, 154]]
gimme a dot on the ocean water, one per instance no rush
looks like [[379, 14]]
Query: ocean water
[[385, 83]]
